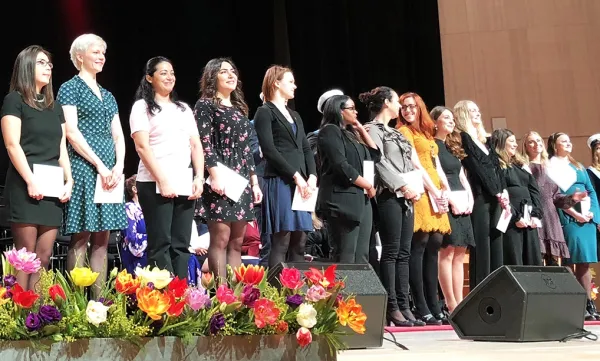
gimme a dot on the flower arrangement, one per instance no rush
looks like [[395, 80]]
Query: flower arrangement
[[154, 303]]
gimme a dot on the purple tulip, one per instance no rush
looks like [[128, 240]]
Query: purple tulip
[[9, 280], [49, 314], [249, 295], [294, 301], [105, 301], [33, 322], [217, 322], [150, 285]]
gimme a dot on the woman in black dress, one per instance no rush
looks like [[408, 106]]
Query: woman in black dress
[[521, 243], [593, 171], [454, 245], [483, 169], [290, 165], [34, 134], [221, 113], [343, 201]]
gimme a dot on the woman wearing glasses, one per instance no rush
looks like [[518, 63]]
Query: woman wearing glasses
[[34, 134]]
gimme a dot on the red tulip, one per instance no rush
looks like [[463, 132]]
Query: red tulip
[[57, 294], [22, 298], [303, 336], [178, 287], [250, 275]]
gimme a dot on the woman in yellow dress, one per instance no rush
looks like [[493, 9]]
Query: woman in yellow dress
[[431, 218]]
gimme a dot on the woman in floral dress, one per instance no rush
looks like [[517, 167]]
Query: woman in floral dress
[[134, 238], [221, 113]]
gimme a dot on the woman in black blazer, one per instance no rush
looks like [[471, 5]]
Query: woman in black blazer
[[343, 146], [290, 164]]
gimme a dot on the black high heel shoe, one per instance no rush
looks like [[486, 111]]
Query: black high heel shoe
[[430, 320], [591, 308], [395, 321], [409, 316]]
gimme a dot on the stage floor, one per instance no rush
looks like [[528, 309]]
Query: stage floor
[[446, 346]]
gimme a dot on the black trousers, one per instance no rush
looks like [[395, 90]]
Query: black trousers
[[488, 253], [522, 247], [396, 224], [169, 228], [350, 240]]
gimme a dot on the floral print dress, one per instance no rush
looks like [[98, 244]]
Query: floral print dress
[[134, 239], [224, 132]]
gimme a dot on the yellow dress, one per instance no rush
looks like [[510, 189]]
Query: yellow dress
[[426, 220]]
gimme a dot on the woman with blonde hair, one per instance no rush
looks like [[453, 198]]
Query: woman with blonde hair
[[483, 169], [579, 223], [97, 151]]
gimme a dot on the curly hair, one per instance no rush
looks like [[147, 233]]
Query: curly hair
[[146, 91], [375, 99], [453, 140], [208, 85]]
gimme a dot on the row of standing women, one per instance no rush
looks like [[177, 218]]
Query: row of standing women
[[436, 187]]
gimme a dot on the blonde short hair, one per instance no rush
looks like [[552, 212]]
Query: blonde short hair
[[81, 45]]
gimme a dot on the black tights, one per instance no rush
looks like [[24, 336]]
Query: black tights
[[290, 243], [35, 238], [225, 247], [423, 274]]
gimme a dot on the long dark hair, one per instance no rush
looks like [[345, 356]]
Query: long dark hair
[[453, 140], [146, 91], [332, 114], [208, 85], [23, 78]]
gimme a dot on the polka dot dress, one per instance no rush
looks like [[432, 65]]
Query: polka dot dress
[[94, 122]]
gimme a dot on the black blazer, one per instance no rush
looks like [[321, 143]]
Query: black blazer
[[285, 152], [342, 159]]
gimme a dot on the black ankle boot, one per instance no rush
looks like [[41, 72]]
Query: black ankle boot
[[591, 309]]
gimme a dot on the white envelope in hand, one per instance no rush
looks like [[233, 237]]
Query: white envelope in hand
[[181, 181], [301, 204], [50, 179], [504, 220], [115, 195], [369, 172], [235, 184], [460, 199]]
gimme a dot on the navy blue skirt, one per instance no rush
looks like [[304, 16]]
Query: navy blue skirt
[[278, 215]]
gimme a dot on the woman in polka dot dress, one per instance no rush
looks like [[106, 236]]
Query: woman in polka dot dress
[[96, 146]]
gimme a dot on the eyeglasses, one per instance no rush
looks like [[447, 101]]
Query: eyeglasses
[[352, 109], [409, 106], [43, 63]]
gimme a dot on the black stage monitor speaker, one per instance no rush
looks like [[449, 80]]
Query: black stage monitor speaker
[[362, 281], [522, 304]]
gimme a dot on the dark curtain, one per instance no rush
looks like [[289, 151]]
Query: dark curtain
[[354, 45]]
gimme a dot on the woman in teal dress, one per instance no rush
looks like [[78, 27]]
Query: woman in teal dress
[[579, 225], [96, 147]]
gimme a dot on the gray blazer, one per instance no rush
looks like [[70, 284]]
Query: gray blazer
[[395, 159]]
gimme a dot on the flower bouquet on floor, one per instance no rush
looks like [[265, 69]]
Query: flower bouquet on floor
[[153, 303]]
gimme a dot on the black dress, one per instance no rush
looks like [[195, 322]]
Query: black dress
[[41, 134], [462, 230], [225, 136], [522, 245]]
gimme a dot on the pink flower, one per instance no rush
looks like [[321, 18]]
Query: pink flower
[[22, 260], [316, 293], [197, 299], [225, 294]]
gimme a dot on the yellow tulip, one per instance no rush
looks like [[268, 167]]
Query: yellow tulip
[[160, 278], [83, 276]]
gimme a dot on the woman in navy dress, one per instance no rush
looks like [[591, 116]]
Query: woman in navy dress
[[579, 224], [290, 165], [96, 148]]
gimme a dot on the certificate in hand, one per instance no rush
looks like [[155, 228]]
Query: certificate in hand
[[50, 179], [414, 179], [115, 195], [369, 172], [460, 199], [181, 181], [301, 204], [235, 184]]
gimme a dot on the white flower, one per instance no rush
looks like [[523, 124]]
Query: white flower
[[307, 315], [95, 312], [160, 278]]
